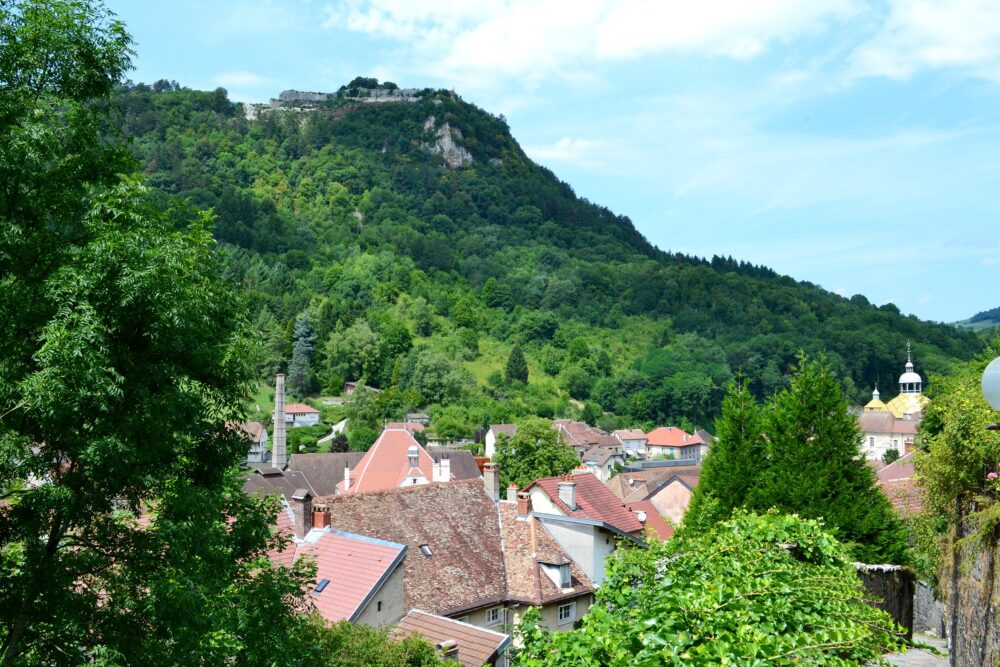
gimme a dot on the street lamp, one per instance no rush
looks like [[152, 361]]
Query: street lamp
[[991, 389]]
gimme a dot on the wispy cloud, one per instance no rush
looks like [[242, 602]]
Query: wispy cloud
[[240, 78], [581, 152], [934, 34]]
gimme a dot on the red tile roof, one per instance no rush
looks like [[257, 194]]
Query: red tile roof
[[581, 434], [898, 484], [526, 544], [386, 464], [593, 501], [253, 429], [410, 427], [355, 566], [655, 524], [456, 520], [475, 645], [284, 525], [668, 436], [300, 409], [510, 430], [630, 434]]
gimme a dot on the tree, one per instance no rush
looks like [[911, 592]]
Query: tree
[[517, 366], [735, 461], [814, 468], [536, 450], [303, 349], [339, 443], [124, 356], [767, 589], [345, 644], [890, 456]]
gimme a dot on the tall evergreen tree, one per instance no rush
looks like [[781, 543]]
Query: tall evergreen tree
[[814, 468], [735, 461], [303, 349], [517, 365]]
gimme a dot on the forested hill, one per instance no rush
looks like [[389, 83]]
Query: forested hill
[[419, 274]]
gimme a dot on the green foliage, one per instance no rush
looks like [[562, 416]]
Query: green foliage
[[517, 366], [345, 644], [960, 452], [535, 451], [890, 456], [735, 461], [303, 348], [123, 355], [304, 438], [800, 454], [755, 590]]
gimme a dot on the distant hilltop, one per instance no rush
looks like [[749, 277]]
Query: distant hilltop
[[361, 89]]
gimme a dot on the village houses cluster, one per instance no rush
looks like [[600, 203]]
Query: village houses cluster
[[423, 539]]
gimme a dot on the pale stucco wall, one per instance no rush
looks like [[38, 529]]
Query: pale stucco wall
[[882, 443], [391, 597], [672, 501]]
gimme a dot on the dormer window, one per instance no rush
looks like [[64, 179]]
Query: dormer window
[[413, 455], [565, 576]]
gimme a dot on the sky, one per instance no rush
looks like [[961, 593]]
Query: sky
[[849, 143]]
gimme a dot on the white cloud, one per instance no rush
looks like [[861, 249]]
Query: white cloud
[[990, 261], [532, 39], [239, 79], [934, 34], [566, 149]]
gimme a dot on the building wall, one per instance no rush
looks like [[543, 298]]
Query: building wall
[[882, 443], [672, 501], [588, 546], [490, 443], [391, 597], [307, 419]]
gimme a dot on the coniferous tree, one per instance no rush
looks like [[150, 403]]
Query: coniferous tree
[[735, 461], [517, 365], [814, 468], [303, 348]]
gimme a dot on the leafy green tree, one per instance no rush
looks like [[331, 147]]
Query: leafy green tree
[[536, 450], [339, 443], [890, 456], [303, 349], [124, 356], [346, 644], [814, 468], [517, 366], [735, 461], [354, 353], [434, 376], [575, 381], [767, 589]]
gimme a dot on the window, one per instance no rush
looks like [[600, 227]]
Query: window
[[567, 613], [493, 616], [426, 550], [379, 607], [565, 577], [871, 441], [463, 619]]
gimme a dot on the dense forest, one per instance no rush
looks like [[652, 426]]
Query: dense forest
[[367, 257]]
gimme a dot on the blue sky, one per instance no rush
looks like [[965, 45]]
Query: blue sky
[[852, 144]]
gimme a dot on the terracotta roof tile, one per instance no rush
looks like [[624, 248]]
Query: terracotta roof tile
[[459, 524], [668, 436], [300, 409], [593, 501], [476, 645], [325, 470], [353, 565], [386, 464], [527, 543], [655, 524]]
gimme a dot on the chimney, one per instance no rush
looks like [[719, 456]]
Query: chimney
[[567, 494], [413, 456], [347, 478], [523, 505], [446, 468], [303, 511], [491, 479], [278, 454], [436, 472], [448, 649], [512, 492], [320, 519]]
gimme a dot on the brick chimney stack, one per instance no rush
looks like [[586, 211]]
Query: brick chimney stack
[[279, 457], [302, 509], [523, 505], [567, 494], [491, 480], [512, 492]]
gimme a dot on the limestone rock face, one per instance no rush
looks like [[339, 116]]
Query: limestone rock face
[[446, 144]]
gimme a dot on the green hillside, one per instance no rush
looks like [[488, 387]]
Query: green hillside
[[366, 256], [984, 321]]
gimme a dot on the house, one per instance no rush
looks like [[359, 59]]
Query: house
[[584, 517], [351, 387], [396, 459], [633, 441], [655, 527], [455, 561], [358, 578], [468, 645], [581, 436], [910, 403], [421, 418], [300, 414], [639, 484], [258, 452], [470, 557], [601, 461], [898, 484], [672, 442], [882, 431], [672, 496], [266, 480], [324, 471], [490, 439]]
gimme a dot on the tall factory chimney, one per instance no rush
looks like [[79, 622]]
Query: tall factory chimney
[[278, 453]]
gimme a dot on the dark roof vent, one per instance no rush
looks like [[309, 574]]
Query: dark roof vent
[[425, 549], [320, 586]]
